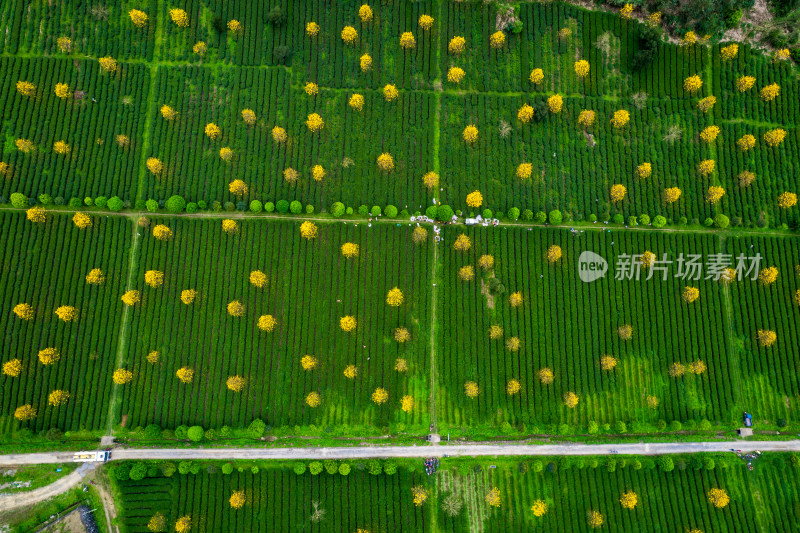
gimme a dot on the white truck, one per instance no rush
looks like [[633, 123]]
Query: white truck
[[91, 457]]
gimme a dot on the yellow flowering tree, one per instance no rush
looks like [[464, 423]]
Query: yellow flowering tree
[[25, 146], [581, 68], [153, 357], [462, 244], [390, 92], [775, 137], [407, 40], [714, 194], [385, 162], [237, 499], [625, 332], [235, 383], [626, 12], [539, 508], [311, 88], [130, 297], [470, 134], [455, 74], [672, 194], [745, 83], [402, 335], [308, 362], [157, 523], [58, 397], [61, 147], [138, 17], [457, 45], [36, 214], [200, 48], [313, 399], [652, 402], [495, 332], [689, 39], [770, 92], [586, 118], [267, 323], [350, 371], [571, 399], [122, 376], [513, 387], [290, 175], [471, 389], [23, 311], [394, 297], [595, 519], [95, 277], [629, 499], [257, 278], [430, 180], [787, 200], [183, 524], [234, 26], [690, 294], [493, 498], [26, 88], [348, 323], [314, 123], [425, 22], [419, 235], [12, 368], [179, 17], [349, 35], [718, 498], [407, 403], [620, 118], [154, 278], [185, 374], [486, 262], [644, 171], [154, 165], [349, 249], [706, 167], [365, 13], [729, 52], [474, 199], [67, 313], [766, 337], [64, 44], [515, 299], [108, 64], [62, 90], [545, 375], [188, 296], [555, 103], [513, 344], [317, 172], [525, 113], [213, 131], [235, 308], [608, 362], [553, 253], [365, 62], [162, 232], [709, 134], [279, 134], [356, 102], [230, 226], [746, 142], [692, 84], [25, 412], [380, 396], [537, 76], [497, 39], [308, 230], [420, 495], [618, 192]]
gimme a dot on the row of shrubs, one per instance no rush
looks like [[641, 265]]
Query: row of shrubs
[[177, 204], [141, 469]]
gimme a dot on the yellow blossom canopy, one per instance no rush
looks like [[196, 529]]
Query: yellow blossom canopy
[[394, 297]]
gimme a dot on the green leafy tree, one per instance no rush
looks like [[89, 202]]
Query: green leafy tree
[[195, 433]]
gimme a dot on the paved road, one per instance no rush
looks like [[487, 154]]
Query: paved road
[[465, 450], [11, 501]]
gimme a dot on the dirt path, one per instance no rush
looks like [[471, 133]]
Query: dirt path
[[454, 450], [12, 501]]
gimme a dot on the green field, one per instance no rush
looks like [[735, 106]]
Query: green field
[[567, 325], [573, 167], [277, 499], [310, 286], [563, 324], [45, 266]]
